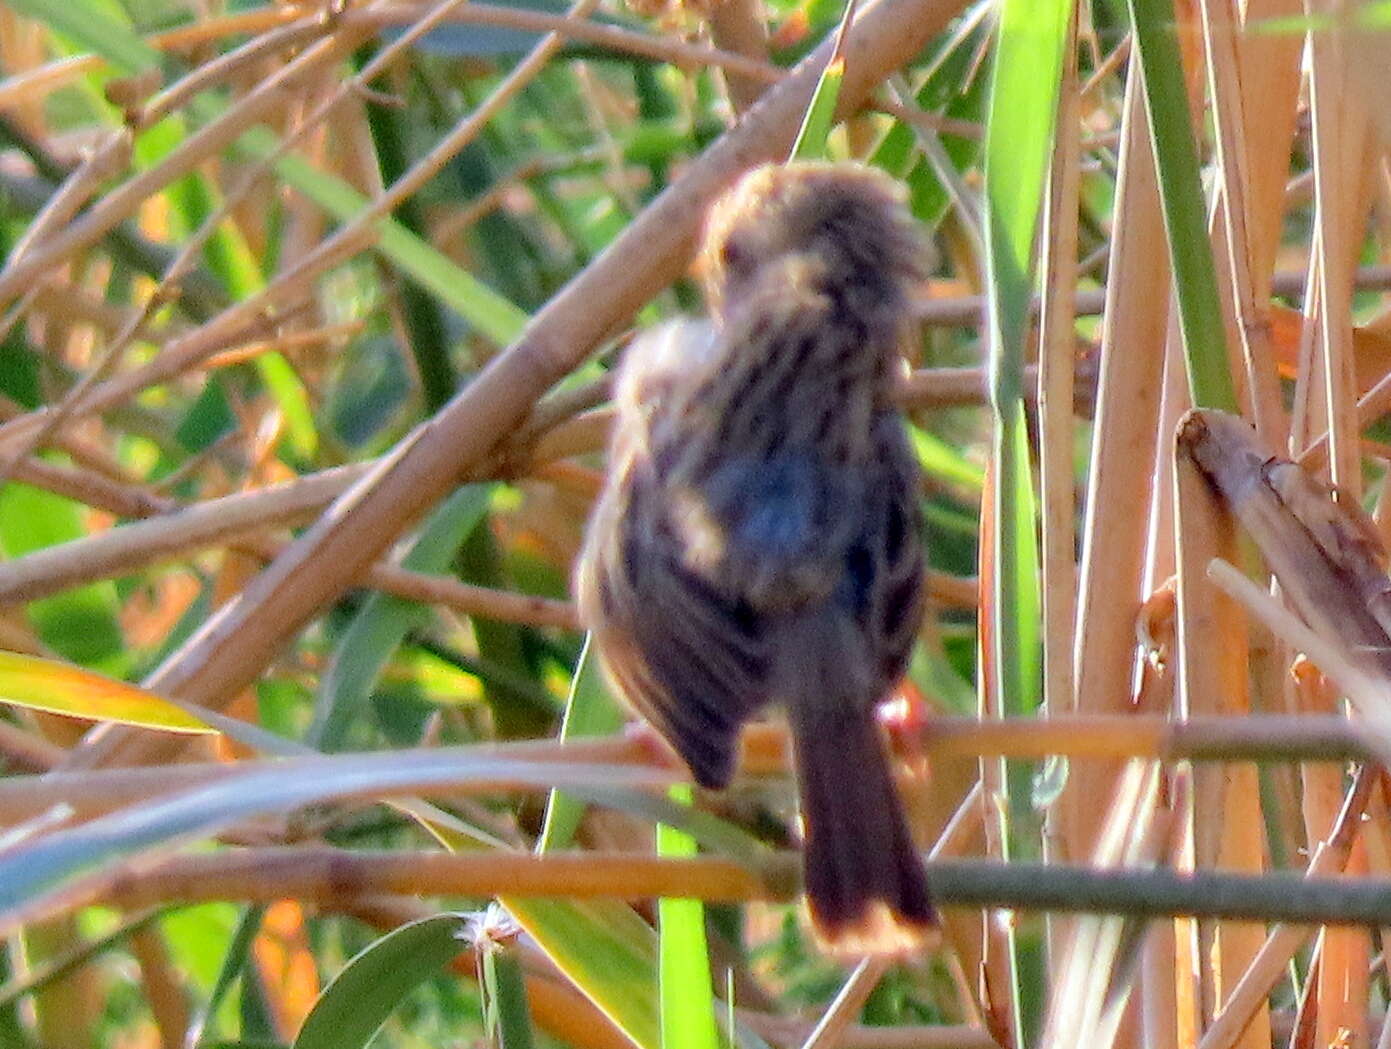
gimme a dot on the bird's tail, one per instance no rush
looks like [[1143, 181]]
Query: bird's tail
[[865, 882]]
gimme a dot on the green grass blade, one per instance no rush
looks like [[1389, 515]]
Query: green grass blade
[[234, 963], [507, 1017], [589, 711], [1185, 217], [1019, 138], [354, 1006], [940, 459], [383, 621], [687, 998], [607, 951], [812, 137], [954, 87], [421, 313], [288, 391], [58, 688]]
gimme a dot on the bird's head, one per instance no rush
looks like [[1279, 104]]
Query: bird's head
[[843, 226]]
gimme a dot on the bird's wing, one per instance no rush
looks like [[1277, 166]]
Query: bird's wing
[[690, 660], [886, 566]]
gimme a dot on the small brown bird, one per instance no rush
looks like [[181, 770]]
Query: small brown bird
[[758, 537]]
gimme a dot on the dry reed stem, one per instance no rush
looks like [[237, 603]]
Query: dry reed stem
[[1212, 652], [1269, 76], [1369, 406], [738, 27], [119, 550], [965, 202], [553, 432], [1119, 490], [1112, 738], [335, 877], [54, 416], [998, 976], [330, 877], [1339, 126], [550, 436], [1159, 1000], [74, 305], [1366, 691], [1057, 423], [1338, 995], [22, 88], [1377, 844], [1266, 70], [1245, 312], [1344, 961], [233, 648], [848, 1002], [110, 157], [504, 606], [162, 986], [1323, 557], [968, 311], [1095, 966], [288, 342], [922, 120], [1237, 824], [65, 1011], [962, 930], [238, 521], [925, 388], [946, 387], [227, 66], [26, 752]]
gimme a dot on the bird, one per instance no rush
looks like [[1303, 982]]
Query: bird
[[757, 539]]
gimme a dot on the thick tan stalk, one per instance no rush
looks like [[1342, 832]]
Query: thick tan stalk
[[1247, 313], [1057, 424], [1340, 128], [737, 26], [1212, 648], [1119, 488]]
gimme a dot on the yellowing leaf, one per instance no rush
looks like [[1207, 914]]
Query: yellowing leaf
[[59, 688]]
